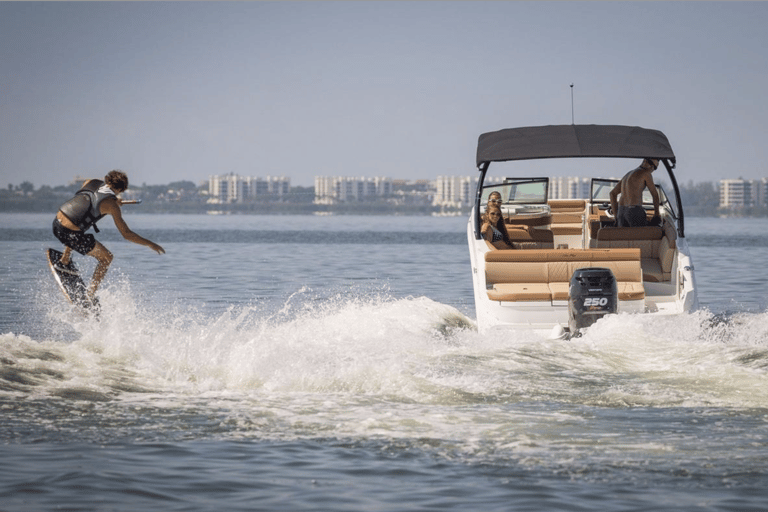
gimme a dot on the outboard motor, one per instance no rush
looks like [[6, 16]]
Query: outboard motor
[[593, 294]]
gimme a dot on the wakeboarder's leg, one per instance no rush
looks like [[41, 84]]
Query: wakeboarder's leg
[[64, 264], [104, 258], [65, 256]]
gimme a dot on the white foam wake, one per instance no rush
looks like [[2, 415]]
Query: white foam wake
[[409, 349]]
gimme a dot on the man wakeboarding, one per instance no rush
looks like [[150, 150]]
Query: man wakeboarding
[[93, 201]]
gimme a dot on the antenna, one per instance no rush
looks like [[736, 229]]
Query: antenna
[[572, 104]]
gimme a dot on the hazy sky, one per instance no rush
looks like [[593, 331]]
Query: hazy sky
[[173, 91]]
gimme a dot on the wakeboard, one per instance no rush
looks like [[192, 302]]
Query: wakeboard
[[72, 284]]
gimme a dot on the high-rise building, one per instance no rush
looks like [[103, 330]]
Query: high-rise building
[[342, 189], [455, 191], [232, 188], [740, 193], [569, 187]]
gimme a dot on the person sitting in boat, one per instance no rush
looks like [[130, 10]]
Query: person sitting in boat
[[493, 228], [494, 198], [627, 196]]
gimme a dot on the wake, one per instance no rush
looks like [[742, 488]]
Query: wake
[[410, 349]]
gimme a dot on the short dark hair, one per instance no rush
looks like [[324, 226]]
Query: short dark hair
[[650, 162], [117, 180]]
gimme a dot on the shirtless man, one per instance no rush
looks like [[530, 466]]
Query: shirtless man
[[93, 201], [628, 208]]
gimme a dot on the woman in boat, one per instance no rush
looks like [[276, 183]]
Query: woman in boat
[[494, 198], [493, 228]]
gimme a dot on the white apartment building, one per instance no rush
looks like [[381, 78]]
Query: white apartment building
[[455, 191], [569, 187], [740, 193], [342, 189], [233, 188]]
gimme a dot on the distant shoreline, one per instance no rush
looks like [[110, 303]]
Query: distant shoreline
[[700, 201], [30, 205]]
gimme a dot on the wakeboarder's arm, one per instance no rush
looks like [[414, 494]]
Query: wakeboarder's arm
[[112, 207]]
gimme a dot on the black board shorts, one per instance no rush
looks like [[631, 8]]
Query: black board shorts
[[77, 240], [632, 216]]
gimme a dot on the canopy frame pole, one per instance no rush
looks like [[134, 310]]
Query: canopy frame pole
[[483, 168], [670, 164]]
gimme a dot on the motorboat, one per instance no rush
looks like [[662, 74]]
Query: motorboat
[[569, 264]]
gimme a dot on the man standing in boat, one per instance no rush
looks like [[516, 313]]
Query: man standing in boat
[[627, 195], [93, 201]]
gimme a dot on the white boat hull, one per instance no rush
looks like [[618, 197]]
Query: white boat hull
[[548, 317]]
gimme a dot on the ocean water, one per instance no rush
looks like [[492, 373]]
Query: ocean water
[[332, 364]]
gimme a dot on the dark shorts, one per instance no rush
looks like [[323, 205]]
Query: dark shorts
[[77, 240], [631, 216]]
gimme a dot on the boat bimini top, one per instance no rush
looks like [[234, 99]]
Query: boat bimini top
[[573, 141]]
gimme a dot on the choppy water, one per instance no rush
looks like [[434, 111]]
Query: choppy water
[[331, 363]]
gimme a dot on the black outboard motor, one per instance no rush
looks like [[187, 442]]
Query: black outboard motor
[[593, 294]]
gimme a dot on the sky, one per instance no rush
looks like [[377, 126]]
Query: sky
[[171, 91]]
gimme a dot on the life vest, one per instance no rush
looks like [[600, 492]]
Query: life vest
[[84, 209]]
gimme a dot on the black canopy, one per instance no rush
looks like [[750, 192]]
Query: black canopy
[[568, 141]]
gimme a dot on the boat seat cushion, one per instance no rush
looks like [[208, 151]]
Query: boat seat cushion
[[631, 291], [520, 292], [656, 248], [666, 256], [567, 205], [652, 270], [528, 221], [523, 237], [555, 291], [594, 254], [520, 272], [566, 218], [566, 229], [636, 233], [536, 275], [559, 291]]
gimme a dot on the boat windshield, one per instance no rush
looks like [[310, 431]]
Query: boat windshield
[[519, 191], [601, 193]]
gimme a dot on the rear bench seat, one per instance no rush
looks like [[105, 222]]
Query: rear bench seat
[[657, 247], [545, 274]]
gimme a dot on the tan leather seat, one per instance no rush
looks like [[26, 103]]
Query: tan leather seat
[[539, 275]]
